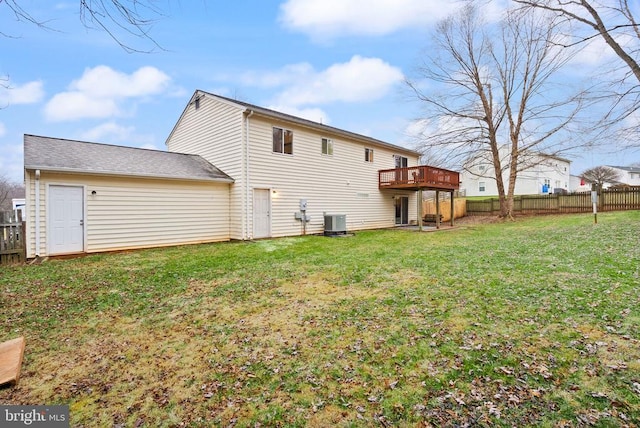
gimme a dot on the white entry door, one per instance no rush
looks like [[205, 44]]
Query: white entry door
[[66, 220], [261, 213]]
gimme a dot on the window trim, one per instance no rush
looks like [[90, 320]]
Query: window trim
[[282, 144], [368, 155], [329, 146]]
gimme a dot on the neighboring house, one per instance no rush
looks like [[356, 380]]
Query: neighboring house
[[578, 184], [282, 163], [87, 197], [18, 204], [547, 174], [629, 175]]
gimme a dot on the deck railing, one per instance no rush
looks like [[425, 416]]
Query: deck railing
[[422, 176]]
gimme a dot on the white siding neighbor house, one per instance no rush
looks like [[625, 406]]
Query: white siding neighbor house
[[578, 184], [289, 172], [18, 205], [629, 175], [87, 197], [547, 174]]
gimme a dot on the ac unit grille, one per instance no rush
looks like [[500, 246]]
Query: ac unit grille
[[335, 224]]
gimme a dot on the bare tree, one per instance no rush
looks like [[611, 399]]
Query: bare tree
[[8, 191], [601, 175], [118, 18], [615, 22], [490, 95]]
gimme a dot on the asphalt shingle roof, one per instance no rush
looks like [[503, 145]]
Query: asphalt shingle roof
[[56, 154]]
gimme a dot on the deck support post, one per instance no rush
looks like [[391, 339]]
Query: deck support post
[[452, 209], [437, 209], [419, 202]]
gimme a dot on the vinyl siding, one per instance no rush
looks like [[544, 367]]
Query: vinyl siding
[[528, 181], [128, 213], [339, 184], [215, 131]]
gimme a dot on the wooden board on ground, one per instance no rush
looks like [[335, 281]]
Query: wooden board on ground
[[11, 353]]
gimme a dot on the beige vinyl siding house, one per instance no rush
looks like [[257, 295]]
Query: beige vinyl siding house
[[271, 181], [86, 197]]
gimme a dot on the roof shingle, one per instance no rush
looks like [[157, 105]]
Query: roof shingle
[[56, 154]]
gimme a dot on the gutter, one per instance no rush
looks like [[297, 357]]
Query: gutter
[[129, 174], [37, 174], [245, 233]]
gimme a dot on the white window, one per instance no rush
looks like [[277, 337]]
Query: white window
[[282, 141], [400, 161], [482, 186], [368, 155], [327, 147]]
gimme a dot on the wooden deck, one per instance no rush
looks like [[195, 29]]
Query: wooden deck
[[419, 177]]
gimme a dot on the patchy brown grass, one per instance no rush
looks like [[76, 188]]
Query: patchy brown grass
[[476, 327]]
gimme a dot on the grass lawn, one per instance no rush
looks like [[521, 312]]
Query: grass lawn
[[527, 323]]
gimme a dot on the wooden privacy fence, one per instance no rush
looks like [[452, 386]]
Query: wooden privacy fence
[[459, 208], [608, 200], [12, 239]]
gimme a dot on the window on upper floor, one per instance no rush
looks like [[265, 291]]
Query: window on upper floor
[[400, 161], [482, 186], [327, 147], [368, 155], [282, 141]]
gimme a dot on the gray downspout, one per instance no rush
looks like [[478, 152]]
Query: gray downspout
[[37, 207]]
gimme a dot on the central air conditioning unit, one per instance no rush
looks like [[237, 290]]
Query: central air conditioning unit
[[335, 224]]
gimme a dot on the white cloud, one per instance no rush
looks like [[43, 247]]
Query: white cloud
[[289, 73], [326, 19], [77, 105], [11, 161], [29, 93], [313, 114], [100, 89], [596, 53], [113, 133], [360, 79], [104, 82], [109, 131]]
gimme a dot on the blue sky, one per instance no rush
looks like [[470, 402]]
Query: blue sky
[[341, 62]]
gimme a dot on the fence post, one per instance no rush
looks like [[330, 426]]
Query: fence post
[[12, 238]]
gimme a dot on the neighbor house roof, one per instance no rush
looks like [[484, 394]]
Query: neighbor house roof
[[61, 155], [626, 168], [300, 121]]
